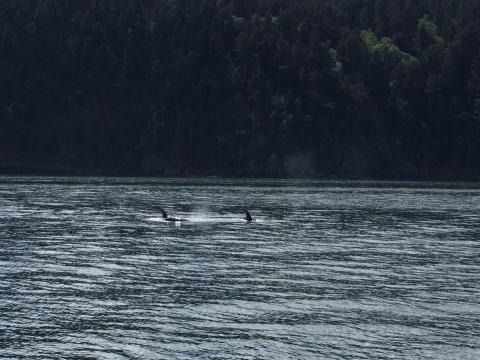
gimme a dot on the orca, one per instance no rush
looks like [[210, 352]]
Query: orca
[[168, 218], [248, 217]]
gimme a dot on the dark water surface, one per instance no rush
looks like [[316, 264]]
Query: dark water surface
[[330, 270]]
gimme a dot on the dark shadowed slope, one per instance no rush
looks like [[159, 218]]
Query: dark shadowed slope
[[334, 87]]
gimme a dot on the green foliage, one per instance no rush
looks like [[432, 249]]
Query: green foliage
[[367, 88], [385, 51], [427, 32]]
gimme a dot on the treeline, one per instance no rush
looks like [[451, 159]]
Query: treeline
[[363, 88]]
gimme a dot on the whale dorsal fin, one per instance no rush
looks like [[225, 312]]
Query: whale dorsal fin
[[164, 213], [248, 217]]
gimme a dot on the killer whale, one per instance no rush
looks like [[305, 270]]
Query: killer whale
[[248, 217], [169, 218]]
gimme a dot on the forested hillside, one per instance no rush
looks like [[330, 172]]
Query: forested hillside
[[362, 88]]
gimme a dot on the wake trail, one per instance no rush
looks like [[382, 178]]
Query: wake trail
[[207, 219]]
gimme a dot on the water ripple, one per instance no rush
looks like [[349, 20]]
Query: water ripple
[[328, 269]]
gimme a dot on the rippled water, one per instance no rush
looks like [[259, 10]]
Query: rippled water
[[332, 270]]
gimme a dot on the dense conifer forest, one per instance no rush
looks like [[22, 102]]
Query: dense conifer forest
[[345, 88]]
